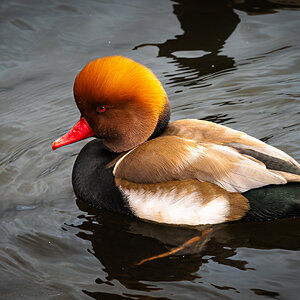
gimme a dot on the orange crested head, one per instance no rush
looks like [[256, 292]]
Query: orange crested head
[[122, 101]]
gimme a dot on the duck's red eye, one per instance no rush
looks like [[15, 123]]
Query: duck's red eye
[[101, 108]]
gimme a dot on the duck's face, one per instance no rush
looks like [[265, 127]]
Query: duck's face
[[120, 101]]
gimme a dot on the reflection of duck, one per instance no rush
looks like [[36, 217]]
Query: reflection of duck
[[206, 26], [186, 172], [119, 242]]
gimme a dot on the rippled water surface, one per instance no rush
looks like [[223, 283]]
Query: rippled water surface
[[233, 62]]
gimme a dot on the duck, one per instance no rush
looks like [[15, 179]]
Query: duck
[[186, 172]]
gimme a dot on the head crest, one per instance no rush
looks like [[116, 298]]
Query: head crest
[[118, 79]]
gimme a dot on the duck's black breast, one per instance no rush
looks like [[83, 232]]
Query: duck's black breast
[[93, 182]]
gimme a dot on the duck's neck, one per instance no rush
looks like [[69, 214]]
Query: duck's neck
[[93, 182], [163, 122]]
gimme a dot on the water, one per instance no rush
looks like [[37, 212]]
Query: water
[[233, 62]]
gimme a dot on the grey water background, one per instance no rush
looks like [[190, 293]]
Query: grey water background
[[233, 62]]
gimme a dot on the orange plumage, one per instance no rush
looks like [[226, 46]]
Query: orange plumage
[[117, 79]]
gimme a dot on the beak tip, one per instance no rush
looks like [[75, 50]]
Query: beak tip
[[81, 130], [56, 144]]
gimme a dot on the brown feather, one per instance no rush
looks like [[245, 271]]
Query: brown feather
[[205, 131], [289, 177], [174, 158]]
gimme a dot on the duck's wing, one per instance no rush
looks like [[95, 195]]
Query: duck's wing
[[175, 158], [209, 132]]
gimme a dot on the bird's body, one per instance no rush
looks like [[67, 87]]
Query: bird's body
[[184, 172]]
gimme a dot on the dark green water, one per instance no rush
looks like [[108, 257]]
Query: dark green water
[[233, 62]]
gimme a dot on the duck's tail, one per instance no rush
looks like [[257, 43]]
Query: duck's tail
[[273, 202]]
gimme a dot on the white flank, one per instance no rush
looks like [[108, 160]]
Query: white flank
[[172, 207]]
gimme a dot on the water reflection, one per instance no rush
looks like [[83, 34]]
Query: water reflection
[[44, 46], [255, 7], [206, 26], [119, 242]]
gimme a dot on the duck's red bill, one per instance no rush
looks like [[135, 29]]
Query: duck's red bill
[[80, 131]]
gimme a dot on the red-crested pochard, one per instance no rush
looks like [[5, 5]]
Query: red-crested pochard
[[184, 172]]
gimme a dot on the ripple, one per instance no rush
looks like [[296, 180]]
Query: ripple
[[230, 62]]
